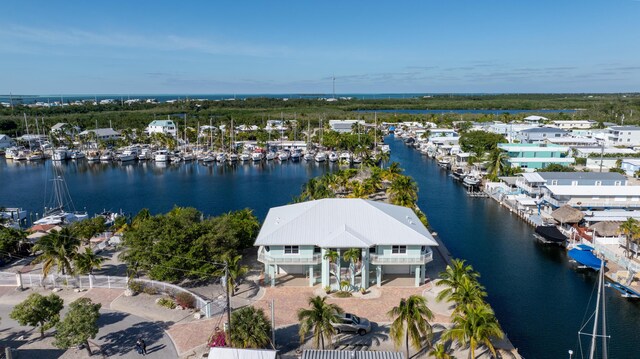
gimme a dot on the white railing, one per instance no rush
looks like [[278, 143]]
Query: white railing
[[209, 308], [522, 184], [401, 259], [264, 257], [551, 200]]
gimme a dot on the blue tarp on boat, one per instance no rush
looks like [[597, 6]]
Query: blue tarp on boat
[[586, 258], [584, 247]]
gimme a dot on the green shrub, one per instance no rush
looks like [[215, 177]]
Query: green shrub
[[136, 286], [186, 300], [342, 294], [151, 290], [167, 303]]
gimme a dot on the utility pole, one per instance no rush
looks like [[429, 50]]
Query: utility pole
[[273, 324], [226, 287], [601, 155]]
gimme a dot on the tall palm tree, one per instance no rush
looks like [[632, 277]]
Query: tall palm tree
[[497, 162], [469, 293], [440, 351], [352, 256], [250, 328], [56, 249], [477, 325], [411, 322], [393, 171], [452, 277], [631, 229], [236, 271], [85, 263], [404, 191], [319, 319]]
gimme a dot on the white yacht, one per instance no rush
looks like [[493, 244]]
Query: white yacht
[[76, 155], [345, 157], [221, 157], [161, 156], [59, 154], [333, 157], [106, 156], [233, 158], [145, 154], [257, 156], [244, 157], [308, 156], [128, 154], [296, 156], [11, 152], [271, 156], [283, 156], [320, 157]]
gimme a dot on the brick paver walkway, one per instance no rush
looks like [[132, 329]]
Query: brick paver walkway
[[189, 336]]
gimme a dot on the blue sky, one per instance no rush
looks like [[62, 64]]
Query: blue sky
[[191, 47]]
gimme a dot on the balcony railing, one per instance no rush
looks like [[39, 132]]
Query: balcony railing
[[528, 188], [266, 258], [401, 259]]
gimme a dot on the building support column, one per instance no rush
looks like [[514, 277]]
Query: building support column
[[311, 278], [272, 275], [423, 274], [324, 269], [379, 275], [418, 275], [364, 270], [339, 268]]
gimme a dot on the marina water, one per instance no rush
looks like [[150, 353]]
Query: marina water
[[540, 300]]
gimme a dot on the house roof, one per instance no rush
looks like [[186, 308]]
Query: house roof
[[535, 118], [349, 354], [58, 126], [596, 176], [543, 130], [595, 191], [607, 228], [237, 353], [343, 223], [567, 214], [625, 128], [2, 137], [532, 177], [101, 132], [163, 123]]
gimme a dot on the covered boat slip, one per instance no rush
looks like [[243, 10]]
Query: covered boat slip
[[585, 258], [550, 234]]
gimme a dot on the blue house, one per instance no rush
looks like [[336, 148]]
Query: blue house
[[540, 134], [535, 156], [389, 240]]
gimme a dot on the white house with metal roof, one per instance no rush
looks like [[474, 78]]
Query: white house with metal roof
[[104, 134], [294, 240], [168, 127], [623, 135]]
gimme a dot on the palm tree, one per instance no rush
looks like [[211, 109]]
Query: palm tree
[[404, 191], [497, 162], [469, 293], [440, 351], [631, 229], [250, 328], [352, 256], [235, 271], [84, 263], [393, 171], [411, 321], [383, 157], [319, 319], [56, 249], [452, 277], [477, 325]]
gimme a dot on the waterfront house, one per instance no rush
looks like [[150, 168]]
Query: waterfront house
[[391, 240], [592, 196], [533, 183], [571, 124], [6, 141], [344, 126], [535, 156], [443, 136], [167, 127], [104, 134], [533, 119], [540, 134], [630, 166], [623, 136], [572, 141]]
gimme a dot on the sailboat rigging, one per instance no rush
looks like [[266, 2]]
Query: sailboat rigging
[[599, 315]]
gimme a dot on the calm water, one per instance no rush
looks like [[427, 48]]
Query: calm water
[[539, 299]]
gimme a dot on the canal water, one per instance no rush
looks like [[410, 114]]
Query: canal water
[[538, 298]]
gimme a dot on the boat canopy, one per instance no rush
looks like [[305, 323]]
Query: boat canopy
[[584, 247], [586, 258], [551, 233]]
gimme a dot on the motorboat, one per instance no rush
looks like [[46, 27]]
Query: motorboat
[[271, 156], [320, 157], [296, 155], [162, 156], [35, 156], [283, 156], [59, 154], [127, 155], [444, 162], [221, 157], [458, 174], [175, 158], [471, 181], [308, 156], [208, 158], [93, 156], [233, 158], [187, 156], [21, 155], [106, 156], [333, 157], [257, 156], [244, 157], [145, 154], [345, 157], [11, 152], [77, 155]]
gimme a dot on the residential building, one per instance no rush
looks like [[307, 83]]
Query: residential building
[[391, 240], [539, 134], [592, 197], [167, 127], [533, 156], [346, 354], [533, 119], [572, 141], [344, 126], [275, 125], [571, 124], [623, 135], [6, 141], [443, 136], [630, 166], [103, 134], [534, 183]]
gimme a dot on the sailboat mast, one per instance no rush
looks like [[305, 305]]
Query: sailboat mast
[[594, 334], [604, 317]]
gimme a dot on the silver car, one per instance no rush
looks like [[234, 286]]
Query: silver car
[[352, 323]]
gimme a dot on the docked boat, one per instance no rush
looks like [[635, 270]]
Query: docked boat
[[145, 154], [59, 154], [106, 156], [162, 156], [127, 155], [271, 156], [77, 155], [208, 158], [356, 159], [320, 157], [444, 162], [257, 156], [233, 158], [187, 156], [471, 181], [333, 157], [296, 156], [244, 157], [345, 158], [308, 156], [60, 211], [35, 156], [283, 156], [221, 157], [93, 156], [11, 152], [550, 235], [584, 257], [21, 155], [458, 174]]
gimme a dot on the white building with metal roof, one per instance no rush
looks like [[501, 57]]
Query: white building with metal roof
[[295, 239], [167, 127]]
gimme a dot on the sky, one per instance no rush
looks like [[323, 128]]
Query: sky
[[298, 47]]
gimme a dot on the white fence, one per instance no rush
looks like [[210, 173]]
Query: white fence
[[209, 308]]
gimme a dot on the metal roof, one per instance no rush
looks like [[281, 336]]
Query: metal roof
[[596, 176], [625, 128], [343, 223], [237, 353], [532, 177], [350, 354], [543, 129], [596, 191]]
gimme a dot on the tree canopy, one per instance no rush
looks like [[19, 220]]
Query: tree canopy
[[182, 244], [38, 311], [554, 167], [480, 142], [79, 325]]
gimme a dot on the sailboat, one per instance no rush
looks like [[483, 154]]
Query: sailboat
[[599, 316], [61, 209]]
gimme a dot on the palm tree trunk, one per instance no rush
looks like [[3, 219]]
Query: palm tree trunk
[[322, 340], [406, 342], [86, 344]]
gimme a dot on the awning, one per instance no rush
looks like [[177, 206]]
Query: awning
[[586, 258], [551, 233]]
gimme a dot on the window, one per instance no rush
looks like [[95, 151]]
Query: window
[[267, 248], [554, 182], [372, 250], [598, 183], [399, 249], [317, 250], [617, 183], [291, 250]]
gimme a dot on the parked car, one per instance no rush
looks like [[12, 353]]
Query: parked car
[[352, 323]]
